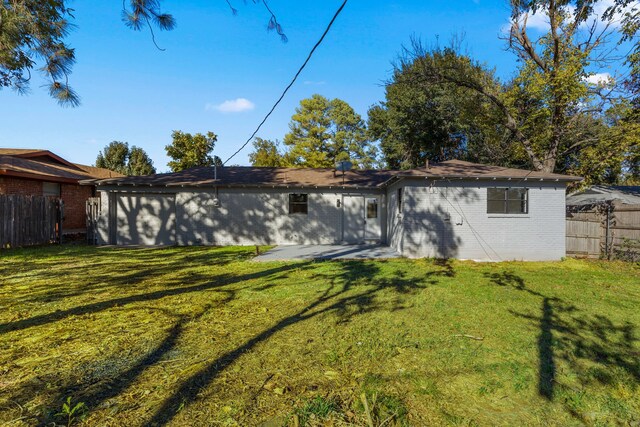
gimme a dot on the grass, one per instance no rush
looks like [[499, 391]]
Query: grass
[[204, 336]]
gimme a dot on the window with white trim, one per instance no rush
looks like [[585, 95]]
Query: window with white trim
[[507, 200]]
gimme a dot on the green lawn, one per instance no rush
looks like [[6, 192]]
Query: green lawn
[[204, 336]]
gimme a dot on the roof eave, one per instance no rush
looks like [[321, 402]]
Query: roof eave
[[38, 177], [567, 178]]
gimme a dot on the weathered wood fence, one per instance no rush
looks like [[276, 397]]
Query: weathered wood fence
[[605, 231], [29, 220], [93, 211]]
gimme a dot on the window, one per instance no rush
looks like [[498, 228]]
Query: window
[[298, 204], [400, 199], [507, 200], [51, 189], [372, 208]]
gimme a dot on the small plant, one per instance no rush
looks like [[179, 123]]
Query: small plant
[[319, 407], [382, 409], [72, 412]]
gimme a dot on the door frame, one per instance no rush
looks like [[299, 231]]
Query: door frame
[[378, 219], [363, 213]]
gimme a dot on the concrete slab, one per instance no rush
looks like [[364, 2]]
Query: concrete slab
[[307, 252]]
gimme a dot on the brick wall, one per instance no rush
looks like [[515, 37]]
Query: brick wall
[[450, 219], [11, 185], [73, 195], [75, 198]]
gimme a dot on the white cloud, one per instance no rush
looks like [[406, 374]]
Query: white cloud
[[314, 83], [232, 106], [540, 19], [599, 79]]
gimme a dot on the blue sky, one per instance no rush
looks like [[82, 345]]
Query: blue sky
[[132, 92]]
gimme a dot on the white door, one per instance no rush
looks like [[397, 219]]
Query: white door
[[372, 230], [353, 219]]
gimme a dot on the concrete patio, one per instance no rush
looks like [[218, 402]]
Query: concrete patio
[[307, 252]]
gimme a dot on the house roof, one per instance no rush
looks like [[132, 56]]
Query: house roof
[[462, 169], [249, 176], [47, 166], [598, 194]]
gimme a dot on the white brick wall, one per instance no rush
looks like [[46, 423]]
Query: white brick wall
[[450, 220], [246, 217]]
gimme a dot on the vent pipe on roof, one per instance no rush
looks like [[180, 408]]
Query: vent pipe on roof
[[426, 164]]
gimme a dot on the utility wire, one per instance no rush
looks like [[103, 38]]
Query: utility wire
[[335, 16]]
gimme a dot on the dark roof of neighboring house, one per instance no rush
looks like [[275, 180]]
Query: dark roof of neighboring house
[[597, 194], [248, 176], [47, 166], [98, 173]]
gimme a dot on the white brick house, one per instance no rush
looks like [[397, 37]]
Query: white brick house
[[452, 209]]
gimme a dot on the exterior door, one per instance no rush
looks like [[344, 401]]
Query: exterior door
[[372, 230], [353, 219]]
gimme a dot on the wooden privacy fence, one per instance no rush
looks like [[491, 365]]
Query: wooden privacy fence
[[29, 220], [607, 231], [93, 211]]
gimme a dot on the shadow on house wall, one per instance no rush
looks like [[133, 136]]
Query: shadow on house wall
[[145, 219], [429, 220], [246, 218]]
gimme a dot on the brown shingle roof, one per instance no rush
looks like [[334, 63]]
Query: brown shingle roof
[[19, 151], [42, 164], [462, 169], [98, 173], [248, 176]]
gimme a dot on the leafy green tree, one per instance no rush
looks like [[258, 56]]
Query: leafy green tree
[[118, 157], [266, 153], [33, 32], [189, 151], [435, 120], [114, 157], [139, 162], [323, 132], [551, 93]]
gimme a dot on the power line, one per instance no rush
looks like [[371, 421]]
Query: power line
[[326, 31]]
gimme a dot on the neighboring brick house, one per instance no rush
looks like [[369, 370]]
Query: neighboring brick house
[[41, 172]]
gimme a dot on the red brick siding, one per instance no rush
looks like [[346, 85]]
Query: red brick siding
[[73, 195], [75, 198], [30, 187]]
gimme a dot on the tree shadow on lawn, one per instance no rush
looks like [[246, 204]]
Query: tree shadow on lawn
[[352, 287], [569, 334], [353, 291], [349, 288], [216, 284], [110, 267]]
